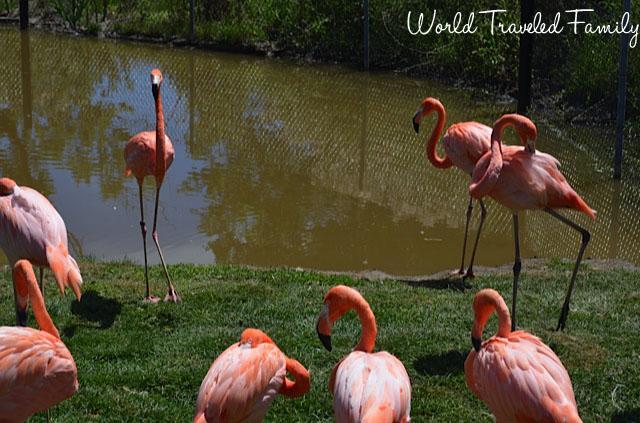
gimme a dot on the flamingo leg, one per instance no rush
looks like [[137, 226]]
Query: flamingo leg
[[586, 236], [466, 232], [517, 265], [172, 295], [483, 216], [143, 229]]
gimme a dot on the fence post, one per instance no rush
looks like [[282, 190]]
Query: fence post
[[365, 7], [527, 9], [192, 20], [24, 14], [622, 95]]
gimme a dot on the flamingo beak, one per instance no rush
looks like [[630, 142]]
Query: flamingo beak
[[477, 343], [325, 339], [416, 120]]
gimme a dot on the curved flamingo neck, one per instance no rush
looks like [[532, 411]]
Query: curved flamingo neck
[[302, 382], [25, 281], [436, 133], [368, 323], [484, 304], [161, 165]]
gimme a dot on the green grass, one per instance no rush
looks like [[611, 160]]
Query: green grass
[[145, 362]]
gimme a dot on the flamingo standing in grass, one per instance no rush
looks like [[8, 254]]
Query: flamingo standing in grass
[[367, 387], [519, 377], [244, 380], [144, 156], [464, 144], [521, 178], [36, 369], [32, 229]]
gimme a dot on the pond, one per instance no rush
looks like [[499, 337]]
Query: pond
[[277, 163]]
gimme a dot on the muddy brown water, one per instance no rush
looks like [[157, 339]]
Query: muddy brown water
[[277, 163]]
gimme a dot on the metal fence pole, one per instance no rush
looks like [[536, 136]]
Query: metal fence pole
[[365, 7], [192, 20], [24, 14], [527, 10], [622, 95]]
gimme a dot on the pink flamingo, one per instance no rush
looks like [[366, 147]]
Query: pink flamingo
[[245, 379], [36, 369], [144, 157], [521, 178], [515, 373], [32, 229], [464, 144], [367, 387]]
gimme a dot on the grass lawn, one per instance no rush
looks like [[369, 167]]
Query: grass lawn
[[145, 362]]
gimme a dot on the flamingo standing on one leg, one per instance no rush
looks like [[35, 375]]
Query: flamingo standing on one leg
[[521, 178], [367, 387], [32, 229], [36, 369], [464, 144], [144, 156], [519, 377], [244, 380]]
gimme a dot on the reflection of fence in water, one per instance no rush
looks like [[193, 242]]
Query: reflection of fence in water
[[348, 133]]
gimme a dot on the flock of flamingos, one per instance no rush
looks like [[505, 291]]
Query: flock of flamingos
[[514, 372]]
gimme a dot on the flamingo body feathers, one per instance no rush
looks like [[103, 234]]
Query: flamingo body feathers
[[140, 154], [32, 229]]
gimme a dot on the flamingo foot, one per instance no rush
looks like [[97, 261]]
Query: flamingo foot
[[457, 272], [151, 299], [469, 274], [172, 296]]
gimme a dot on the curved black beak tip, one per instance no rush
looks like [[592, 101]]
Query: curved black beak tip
[[416, 123], [477, 343], [155, 87], [325, 339], [22, 317]]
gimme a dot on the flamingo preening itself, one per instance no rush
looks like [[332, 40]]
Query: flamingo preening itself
[[464, 144], [367, 387], [521, 178], [32, 229], [151, 153], [519, 377], [37, 370], [245, 379]]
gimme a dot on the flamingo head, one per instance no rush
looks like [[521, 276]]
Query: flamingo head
[[255, 337], [6, 186], [338, 301], [485, 303], [428, 105], [156, 81]]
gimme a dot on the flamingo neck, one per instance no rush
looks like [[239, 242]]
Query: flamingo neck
[[302, 382], [484, 304], [482, 184], [369, 329], [25, 281], [160, 140], [436, 133]]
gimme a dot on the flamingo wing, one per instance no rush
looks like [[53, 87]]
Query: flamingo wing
[[241, 384], [36, 372], [371, 387], [522, 379], [465, 143]]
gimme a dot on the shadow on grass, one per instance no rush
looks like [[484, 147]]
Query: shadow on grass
[[456, 284], [96, 308], [451, 362], [626, 416]]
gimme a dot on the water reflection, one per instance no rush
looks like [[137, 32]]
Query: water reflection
[[276, 164]]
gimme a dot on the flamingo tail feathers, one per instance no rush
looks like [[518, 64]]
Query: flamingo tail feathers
[[380, 414], [65, 270]]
